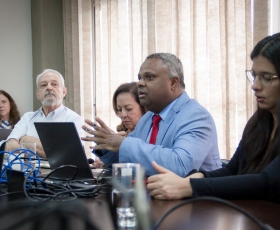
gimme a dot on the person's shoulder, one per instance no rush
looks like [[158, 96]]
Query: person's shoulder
[[184, 102], [71, 112], [30, 114], [192, 108], [197, 106], [68, 110]]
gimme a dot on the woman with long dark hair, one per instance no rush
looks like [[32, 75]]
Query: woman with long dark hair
[[9, 114], [254, 170]]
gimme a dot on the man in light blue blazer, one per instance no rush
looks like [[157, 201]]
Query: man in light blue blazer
[[186, 138]]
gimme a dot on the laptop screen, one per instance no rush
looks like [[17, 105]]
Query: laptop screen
[[4, 133], [2, 148], [62, 146]]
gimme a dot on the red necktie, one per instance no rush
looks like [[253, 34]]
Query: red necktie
[[156, 120]]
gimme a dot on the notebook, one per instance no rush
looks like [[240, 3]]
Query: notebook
[[62, 146]]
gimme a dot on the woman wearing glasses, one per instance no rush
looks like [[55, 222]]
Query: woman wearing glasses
[[254, 170]]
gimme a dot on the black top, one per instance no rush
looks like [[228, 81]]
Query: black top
[[227, 183]]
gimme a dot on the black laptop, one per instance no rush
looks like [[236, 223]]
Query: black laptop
[[4, 133], [2, 148], [62, 146]]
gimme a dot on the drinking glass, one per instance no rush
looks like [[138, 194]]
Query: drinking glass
[[123, 179], [29, 146]]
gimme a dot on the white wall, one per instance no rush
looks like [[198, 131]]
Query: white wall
[[16, 52]]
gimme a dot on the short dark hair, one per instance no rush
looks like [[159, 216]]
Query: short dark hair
[[172, 63], [126, 88], [14, 113]]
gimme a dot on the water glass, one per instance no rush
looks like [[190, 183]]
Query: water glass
[[123, 178], [29, 146]]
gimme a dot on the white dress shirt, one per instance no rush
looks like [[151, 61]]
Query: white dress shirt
[[25, 126]]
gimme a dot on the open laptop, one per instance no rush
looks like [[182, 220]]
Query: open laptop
[[2, 148], [62, 146], [4, 133]]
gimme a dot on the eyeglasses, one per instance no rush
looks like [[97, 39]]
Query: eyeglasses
[[264, 78]]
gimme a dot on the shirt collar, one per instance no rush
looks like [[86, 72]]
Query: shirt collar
[[165, 111], [54, 113]]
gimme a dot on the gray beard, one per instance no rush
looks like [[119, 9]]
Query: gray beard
[[50, 101]]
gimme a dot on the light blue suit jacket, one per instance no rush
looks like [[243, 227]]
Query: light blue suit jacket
[[186, 140]]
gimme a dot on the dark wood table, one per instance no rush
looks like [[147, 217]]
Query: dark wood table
[[198, 215], [213, 215]]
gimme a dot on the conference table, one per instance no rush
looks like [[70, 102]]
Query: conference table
[[200, 215], [212, 215]]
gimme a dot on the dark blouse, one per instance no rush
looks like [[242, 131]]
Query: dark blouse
[[227, 183]]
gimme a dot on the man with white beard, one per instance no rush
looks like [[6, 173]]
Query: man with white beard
[[50, 91]]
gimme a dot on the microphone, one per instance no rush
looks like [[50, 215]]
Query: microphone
[[90, 160]]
